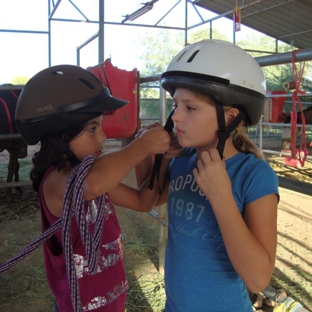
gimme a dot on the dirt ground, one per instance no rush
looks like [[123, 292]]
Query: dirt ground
[[24, 288]]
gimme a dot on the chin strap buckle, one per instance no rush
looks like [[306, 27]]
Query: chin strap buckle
[[223, 134]]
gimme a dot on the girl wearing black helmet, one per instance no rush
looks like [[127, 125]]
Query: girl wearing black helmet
[[62, 107], [221, 195]]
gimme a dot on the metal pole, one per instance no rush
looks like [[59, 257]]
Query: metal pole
[[83, 45], [101, 31], [49, 35], [162, 96], [163, 208], [284, 58], [261, 134], [185, 26]]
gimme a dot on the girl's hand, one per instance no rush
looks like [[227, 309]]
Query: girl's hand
[[155, 139], [211, 176], [175, 149], [147, 127]]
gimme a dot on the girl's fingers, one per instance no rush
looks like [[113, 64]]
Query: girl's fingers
[[195, 173], [214, 154], [200, 165], [210, 156], [205, 158]]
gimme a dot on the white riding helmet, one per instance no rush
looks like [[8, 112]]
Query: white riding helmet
[[223, 70]]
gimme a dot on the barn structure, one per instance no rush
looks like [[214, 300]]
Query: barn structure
[[285, 22]]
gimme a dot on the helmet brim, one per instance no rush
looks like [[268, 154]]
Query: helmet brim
[[101, 103], [225, 93]]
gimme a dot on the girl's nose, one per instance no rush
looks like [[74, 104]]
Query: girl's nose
[[176, 115], [103, 136]]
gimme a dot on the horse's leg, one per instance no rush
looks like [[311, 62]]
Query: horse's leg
[[10, 176], [16, 174], [13, 172]]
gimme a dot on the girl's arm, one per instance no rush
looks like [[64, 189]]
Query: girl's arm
[[144, 169], [142, 199], [145, 199], [250, 242], [107, 172]]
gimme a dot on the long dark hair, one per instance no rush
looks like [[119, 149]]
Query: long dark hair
[[54, 151]]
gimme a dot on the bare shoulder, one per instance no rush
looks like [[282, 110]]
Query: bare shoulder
[[53, 191]]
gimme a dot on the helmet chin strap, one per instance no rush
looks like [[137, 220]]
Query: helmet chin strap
[[224, 131], [158, 158], [223, 134]]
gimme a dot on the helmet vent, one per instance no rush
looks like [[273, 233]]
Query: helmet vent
[[179, 57], [57, 72], [192, 56], [87, 83]]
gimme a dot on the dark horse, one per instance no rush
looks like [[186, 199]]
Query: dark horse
[[16, 147]]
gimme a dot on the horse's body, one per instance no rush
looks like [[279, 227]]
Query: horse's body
[[17, 148]]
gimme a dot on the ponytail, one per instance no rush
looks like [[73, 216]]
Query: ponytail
[[244, 144]]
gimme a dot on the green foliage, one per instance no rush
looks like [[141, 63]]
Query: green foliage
[[160, 50], [163, 45], [19, 80], [150, 110], [205, 34], [276, 76]]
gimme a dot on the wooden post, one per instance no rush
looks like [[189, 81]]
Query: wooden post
[[163, 230]]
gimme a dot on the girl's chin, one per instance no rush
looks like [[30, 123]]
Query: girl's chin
[[185, 144]]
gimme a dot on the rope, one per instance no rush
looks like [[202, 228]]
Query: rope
[[75, 182], [295, 98], [31, 247], [73, 194]]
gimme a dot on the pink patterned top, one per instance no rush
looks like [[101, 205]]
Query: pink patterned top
[[104, 291]]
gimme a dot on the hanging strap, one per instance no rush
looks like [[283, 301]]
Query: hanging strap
[[10, 122], [9, 117], [99, 72], [158, 158], [295, 98], [224, 131]]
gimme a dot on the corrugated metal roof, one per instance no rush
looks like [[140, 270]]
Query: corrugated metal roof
[[287, 20]]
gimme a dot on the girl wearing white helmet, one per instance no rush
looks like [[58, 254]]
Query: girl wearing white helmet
[[221, 195], [62, 107]]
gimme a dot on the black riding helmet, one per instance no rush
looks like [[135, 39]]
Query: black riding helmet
[[61, 97]]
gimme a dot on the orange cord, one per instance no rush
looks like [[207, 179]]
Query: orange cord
[[295, 99]]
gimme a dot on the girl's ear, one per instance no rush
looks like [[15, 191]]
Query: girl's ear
[[230, 115]]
